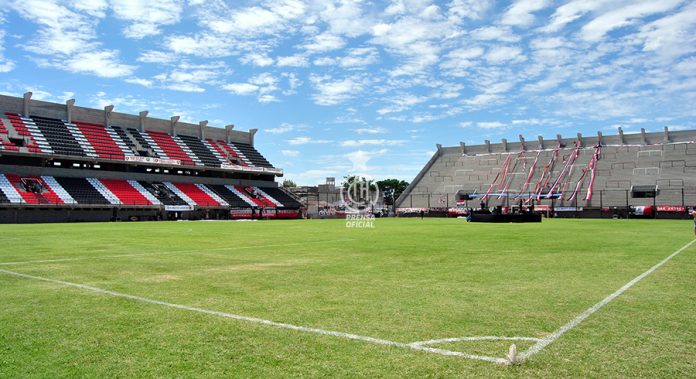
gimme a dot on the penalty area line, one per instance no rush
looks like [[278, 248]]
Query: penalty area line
[[260, 321], [539, 346]]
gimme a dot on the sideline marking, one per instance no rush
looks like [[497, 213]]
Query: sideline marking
[[167, 252], [537, 347], [261, 321], [479, 338]]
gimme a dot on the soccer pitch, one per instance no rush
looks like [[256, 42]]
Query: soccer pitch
[[411, 297]]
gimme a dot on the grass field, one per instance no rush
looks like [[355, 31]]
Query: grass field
[[404, 281]]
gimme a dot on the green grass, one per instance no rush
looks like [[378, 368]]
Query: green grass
[[406, 280]]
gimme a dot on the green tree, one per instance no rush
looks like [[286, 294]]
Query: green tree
[[287, 183], [391, 189]]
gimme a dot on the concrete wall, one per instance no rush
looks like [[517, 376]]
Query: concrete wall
[[640, 160]]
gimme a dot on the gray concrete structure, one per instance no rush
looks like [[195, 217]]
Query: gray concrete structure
[[663, 159]]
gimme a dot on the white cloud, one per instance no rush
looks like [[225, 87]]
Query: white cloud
[[495, 33], [671, 36], [374, 142], [370, 130], [263, 86], [400, 103], [257, 59], [596, 29], [6, 65], [465, 124], [572, 11], [290, 153], [359, 57], [286, 128], [292, 61], [471, 9], [304, 140], [140, 81], [331, 91], [521, 13], [152, 56], [241, 88], [324, 42], [146, 16], [361, 158], [503, 54], [490, 124]]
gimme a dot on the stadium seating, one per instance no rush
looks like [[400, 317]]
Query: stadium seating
[[126, 193], [200, 151], [59, 191], [235, 153], [26, 129], [105, 141], [63, 138], [163, 194], [170, 148], [252, 155], [82, 191], [83, 139], [198, 194], [280, 196]]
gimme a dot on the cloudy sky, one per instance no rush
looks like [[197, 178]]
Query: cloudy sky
[[363, 87]]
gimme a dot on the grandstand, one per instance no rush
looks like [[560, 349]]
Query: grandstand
[[623, 175], [61, 162]]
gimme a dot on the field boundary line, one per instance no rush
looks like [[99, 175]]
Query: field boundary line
[[539, 346], [475, 338], [260, 321], [227, 248]]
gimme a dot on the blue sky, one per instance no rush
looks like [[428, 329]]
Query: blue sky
[[363, 87]]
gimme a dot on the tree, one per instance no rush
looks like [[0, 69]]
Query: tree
[[391, 189], [351, 180], [287, 183]]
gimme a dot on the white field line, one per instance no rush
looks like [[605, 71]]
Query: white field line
[[537, 347], [478, 338], [201, 251], [261, 321]]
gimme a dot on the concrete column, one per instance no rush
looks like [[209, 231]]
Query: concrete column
[[69, 105], [505, 147], [559, 139], [172, 123], [599, 138], [252, 133], [621, 137], [462, 145], [141, 121], [665, 139], [26, 103], [643, 136], [541, 143], [228, 132], [488, 145], [201, 128], [107, 114], [580, 140]]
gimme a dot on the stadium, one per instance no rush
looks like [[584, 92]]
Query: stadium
[[68, 163], [507, 189]]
